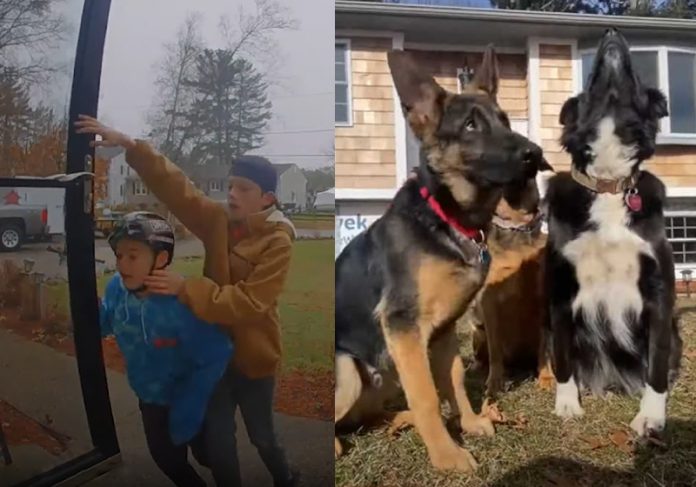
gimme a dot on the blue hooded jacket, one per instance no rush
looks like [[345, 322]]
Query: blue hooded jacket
[[172, 357]]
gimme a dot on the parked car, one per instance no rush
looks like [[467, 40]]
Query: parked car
[[19, 223]]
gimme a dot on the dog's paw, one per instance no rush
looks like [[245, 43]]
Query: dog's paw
[[477, 425], [647, 426], [454, 458], [568, 407], [338, 449], [546, 380]]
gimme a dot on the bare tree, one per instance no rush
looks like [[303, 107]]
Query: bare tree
[[29, 31], [174, 97], [253, 35]]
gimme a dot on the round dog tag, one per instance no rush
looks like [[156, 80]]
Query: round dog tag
[[634, 201]]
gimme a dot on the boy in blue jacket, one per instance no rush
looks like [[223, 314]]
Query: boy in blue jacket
[[173, 359]]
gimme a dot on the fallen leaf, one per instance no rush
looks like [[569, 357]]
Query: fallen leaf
[[622, 441], [521, 422], [596, 442], [491, 411]]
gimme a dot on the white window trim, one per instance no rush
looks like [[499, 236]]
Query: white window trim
[[349, 81], [214, 185], [139, 188], [666, 137]]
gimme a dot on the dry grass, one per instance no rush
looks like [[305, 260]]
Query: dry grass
[[546, 451]]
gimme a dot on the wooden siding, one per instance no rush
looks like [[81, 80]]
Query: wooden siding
[[675, 165], [512, 93], [365, 156], [555, 87]]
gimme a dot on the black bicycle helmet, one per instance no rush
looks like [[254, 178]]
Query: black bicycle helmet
[[149, 228]]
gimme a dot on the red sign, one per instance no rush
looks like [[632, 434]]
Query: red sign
[[12, 198]]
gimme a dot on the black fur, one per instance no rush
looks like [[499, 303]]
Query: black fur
[[577, 350]]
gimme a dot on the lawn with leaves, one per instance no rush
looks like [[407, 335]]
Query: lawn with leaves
[[537, 449]]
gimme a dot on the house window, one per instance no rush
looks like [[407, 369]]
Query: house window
[[121, 190], [342, 102], [139, 189], [215, 185], [673, 71], [681, 232], [121, 170]]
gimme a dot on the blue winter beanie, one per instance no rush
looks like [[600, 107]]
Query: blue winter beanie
[[258, 169]]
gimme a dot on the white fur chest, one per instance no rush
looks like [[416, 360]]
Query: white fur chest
[[607, 268]]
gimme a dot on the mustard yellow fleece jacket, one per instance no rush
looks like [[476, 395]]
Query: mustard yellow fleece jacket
[[246, 263]]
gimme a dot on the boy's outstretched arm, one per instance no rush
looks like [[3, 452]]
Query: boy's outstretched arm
[[166, 181], [236, 305]]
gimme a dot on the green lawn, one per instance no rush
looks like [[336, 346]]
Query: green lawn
[[537, 449], [306, 306]]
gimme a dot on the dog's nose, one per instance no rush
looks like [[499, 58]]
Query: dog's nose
[[611, 31], [531, 155]]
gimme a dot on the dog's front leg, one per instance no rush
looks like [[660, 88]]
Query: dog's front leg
[[653, 405], [448, 370], [408, 349], [567, 393], [496, 362]]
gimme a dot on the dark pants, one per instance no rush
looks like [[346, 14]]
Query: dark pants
[[254, 397], [170, 458]]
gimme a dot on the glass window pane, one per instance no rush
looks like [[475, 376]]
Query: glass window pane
[[341, 93], [678, 233], [341, 113], [340, 53], [587, 60], [340, 73], [682, 92], [645, 64]]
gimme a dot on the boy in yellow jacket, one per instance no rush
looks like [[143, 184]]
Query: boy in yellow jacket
[[248, 245]]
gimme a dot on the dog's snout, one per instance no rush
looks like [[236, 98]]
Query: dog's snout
[[611, 31], [531, 155]]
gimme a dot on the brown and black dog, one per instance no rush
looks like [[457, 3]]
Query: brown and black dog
[[508, 315], [402, 284]]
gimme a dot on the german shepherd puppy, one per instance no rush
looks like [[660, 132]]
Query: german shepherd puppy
[[402, 284], [508, 315], [610, 268]]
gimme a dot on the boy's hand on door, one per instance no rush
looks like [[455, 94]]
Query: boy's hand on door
[[109, 137], [164, 282]]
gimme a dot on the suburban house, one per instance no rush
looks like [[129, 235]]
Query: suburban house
[[292, 186], [211, 178], [544, 59], [117, 171]]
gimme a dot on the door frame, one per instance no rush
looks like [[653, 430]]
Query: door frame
[[82, 280]]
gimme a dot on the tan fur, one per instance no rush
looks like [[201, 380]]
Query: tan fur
[[444, 291], [409, 352], [511, 306]]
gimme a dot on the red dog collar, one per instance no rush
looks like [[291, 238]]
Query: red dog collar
[[474, 234]]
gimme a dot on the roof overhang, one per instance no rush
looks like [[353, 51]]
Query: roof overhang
[[510, 28]]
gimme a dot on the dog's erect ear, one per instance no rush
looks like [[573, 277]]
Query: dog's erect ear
[[486, 77], [657, 103], [421, 97], [569, 112]]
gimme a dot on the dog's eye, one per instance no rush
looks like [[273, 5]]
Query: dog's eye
[[470, 125]]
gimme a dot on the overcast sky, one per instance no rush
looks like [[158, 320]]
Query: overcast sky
[[302, 127]]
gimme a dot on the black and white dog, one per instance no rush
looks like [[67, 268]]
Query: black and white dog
[[610, 271]]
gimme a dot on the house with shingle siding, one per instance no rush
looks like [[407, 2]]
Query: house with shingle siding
[[544, 59]]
